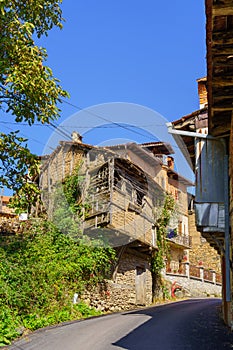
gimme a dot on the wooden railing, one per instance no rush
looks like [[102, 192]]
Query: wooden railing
[[218, 278], [181, 240], [208, 275], [194, 271]]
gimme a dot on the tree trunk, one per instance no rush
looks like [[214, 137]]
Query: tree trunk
[[157, 291]]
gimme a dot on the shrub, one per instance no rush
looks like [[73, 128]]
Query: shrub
[[40, 270]]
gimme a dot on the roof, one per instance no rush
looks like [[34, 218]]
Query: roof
[[158, 147], [5, 198], [138, 150], [191, 122], [174, 175], [219, 65], [152, 159], [201, 79]]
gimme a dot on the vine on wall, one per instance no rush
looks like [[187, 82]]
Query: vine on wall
[[157, 260]]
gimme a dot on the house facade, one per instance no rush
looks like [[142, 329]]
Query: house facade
[[156, 160], [209, 147], [219, 37], [125, 186], [211, 153]]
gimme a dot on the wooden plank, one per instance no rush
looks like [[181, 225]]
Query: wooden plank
[[217, 81], [221, 50], [221, 10], [222, 109]]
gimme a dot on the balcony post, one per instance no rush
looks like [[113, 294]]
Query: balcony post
[[201, 268], [187, 269], [213, 276]]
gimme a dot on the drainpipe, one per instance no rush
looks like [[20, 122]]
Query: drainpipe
[[188, 133]]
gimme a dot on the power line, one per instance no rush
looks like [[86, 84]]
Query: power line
[[28, 137], [106, 119], [80, 126], [60, 129]]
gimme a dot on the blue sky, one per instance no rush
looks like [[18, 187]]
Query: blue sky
[[145, 53]]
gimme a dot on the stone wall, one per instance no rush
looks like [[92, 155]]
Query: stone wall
[[201, 251], [60, 164], [9, 224], [196, 288], [121, 294]]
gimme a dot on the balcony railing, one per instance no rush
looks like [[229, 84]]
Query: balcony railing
[[195, 272], [181, 240]]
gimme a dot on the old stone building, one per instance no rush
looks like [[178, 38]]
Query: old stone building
[[155, 158], [125, 186]]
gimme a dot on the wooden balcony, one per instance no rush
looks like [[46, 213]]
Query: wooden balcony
[[184, 241]]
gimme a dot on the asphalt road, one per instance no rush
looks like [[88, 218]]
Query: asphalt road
[[191, 324]]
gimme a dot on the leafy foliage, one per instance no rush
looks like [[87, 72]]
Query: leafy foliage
[[39, 273], [68, 206], [28, 89], [157, 260]]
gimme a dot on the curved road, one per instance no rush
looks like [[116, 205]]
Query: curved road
[[191, 324]]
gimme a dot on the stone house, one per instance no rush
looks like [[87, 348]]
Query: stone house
[[124, 186], [155, 159], [121, 205], [206, 139]]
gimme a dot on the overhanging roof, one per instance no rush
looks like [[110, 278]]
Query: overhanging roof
[[191, 123]]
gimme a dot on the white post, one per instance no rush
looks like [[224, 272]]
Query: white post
[[201, 273], [214, 276], [187, 269]]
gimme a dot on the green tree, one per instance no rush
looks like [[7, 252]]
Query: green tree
[[28, 89]]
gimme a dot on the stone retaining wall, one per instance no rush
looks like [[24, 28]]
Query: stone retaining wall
[[131, 287], [195, 287], [110, 296]]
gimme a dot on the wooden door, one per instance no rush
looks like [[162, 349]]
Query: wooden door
[[140, 285]]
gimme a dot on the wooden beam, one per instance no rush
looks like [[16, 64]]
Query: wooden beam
[[222, 109], [221, 38], [220, 82], [220, 130], [222, 97], [221, 50], [221, 10]]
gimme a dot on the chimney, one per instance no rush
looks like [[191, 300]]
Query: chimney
[[202, 92], [76, 137], [170, 162]]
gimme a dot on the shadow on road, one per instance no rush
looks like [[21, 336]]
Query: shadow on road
[[189, 325]]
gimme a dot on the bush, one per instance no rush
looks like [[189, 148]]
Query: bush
[[40, 270]]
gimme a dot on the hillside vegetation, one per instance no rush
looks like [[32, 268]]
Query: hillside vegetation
[[40, 270]]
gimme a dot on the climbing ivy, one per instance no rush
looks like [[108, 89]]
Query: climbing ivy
[[68, 208], [157, 260]]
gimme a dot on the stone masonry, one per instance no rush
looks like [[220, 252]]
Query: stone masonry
[[121, 293], [201, 251]]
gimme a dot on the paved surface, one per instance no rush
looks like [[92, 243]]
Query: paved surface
[[190, 324]]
